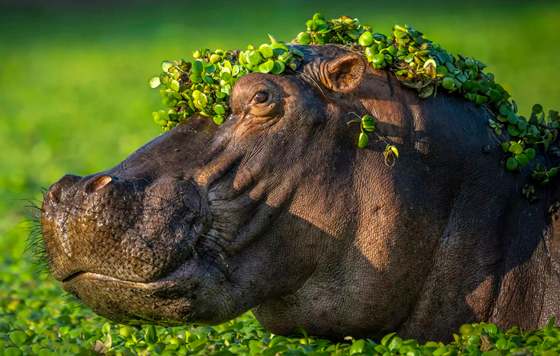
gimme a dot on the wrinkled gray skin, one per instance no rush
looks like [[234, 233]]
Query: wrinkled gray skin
[[278, 211]]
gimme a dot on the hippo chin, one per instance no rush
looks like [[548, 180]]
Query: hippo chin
[[278, 211]]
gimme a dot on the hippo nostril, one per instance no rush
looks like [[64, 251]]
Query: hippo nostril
[[51, 195], [96, 183], [55, 192]]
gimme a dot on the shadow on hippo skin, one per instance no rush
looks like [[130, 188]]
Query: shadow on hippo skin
[[478, 254], [471, 278]]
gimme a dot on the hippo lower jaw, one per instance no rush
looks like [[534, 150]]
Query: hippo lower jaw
[[188, 295], [129, 302]]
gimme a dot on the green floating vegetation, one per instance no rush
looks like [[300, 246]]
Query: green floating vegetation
[[204, 86], [35, 321]]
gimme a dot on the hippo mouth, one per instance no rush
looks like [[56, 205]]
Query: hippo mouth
[[169, 300], [83, 275]]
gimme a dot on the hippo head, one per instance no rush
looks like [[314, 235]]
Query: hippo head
[[205, 221], [278, 210]]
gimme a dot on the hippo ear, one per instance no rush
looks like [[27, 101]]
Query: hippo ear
[[344, 73]]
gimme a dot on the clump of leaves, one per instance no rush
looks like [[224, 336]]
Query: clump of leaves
[[542, 175], [367, 123], [205, 85]]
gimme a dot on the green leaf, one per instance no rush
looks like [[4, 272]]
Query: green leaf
[[301, 330], [304, 38], [512, 118], [481, 99], [18, 337], [386, 338], [175, 85], [198, 66], [426, 91], [379, 59], [207, 79], [505, 147], [12, 351], [219, 109], [155, 82], [203, 99], [215, 58], [277, 339], [218, 119], [516, 148], [442, 71], [165, 65], [400, 34], [357, 347], [151, 335], [267, 66], [448, 83], [319, 16], [495, 95], [467, 328], [550, 323], [160, 118], [278, 67], [395, 344], [254, 57], [537, 109], [226, 76], [363, 140], [368, 122], [285, 57], [522, 159], [279, 49], [195, 78], [266, 51], [504, 110], [210, 68], [513, 130], [511, 164], [366, 39], [474, 340], [530, 153], [169, 102], [45, 352]]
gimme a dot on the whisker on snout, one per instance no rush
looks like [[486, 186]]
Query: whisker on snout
[[35, 244]]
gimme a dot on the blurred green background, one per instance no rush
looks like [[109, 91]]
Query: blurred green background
[[74, 93]]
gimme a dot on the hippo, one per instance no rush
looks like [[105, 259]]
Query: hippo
[[280, 212]]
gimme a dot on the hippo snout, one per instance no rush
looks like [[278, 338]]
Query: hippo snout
[[126, 229]]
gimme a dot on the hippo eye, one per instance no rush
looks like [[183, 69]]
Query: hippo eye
[[260, 97]]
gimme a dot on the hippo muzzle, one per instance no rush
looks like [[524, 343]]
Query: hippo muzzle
[[118, 243]]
